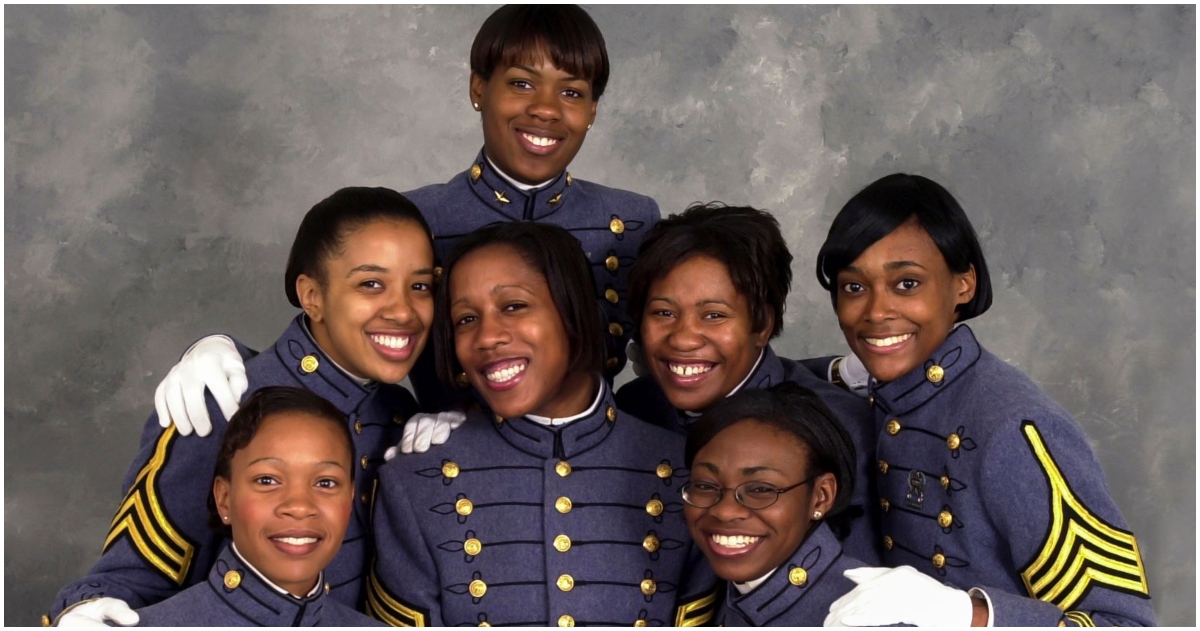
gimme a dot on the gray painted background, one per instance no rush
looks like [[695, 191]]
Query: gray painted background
[[158, 161]]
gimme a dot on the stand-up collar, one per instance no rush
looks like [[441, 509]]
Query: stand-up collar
[[312, 367], [501, 196], [235, 582], [950, 361], [563, 441], [791, 582]]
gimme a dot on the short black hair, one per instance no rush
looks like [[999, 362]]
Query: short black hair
[[555, 254], [514, 33], [798, 411], [886, 204], [323, 230], [258, 407], [745, 239]]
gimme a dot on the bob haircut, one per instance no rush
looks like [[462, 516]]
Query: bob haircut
[[885, 205], [258, 407], [746, 240], [795, 410], [323, 230], [515, 33], [558, 257]]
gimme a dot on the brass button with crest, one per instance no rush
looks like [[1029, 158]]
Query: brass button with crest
[[477, 588], [945, 519], [611, 363], [887, 542], [953, 441], [640, 622], [798, 576], [464, 506], [437, 273], [364, 461], [566, 621], [612, 296], [615, 330], [883, 467], [563, 468], [563, 505], [357, 426], [649, 587], [476, 171], [654, 507], [46, 621], [893, 427], [562, 543], [650, 543], [472, 546], [461, 380], [939, 561], [610, 414], [664, 470], [945, 482], [233, 578], [935, 374], [483, 623], [450, 469], [309, 364], [884, 504], [565, 583], [611, 263], [616, 225]]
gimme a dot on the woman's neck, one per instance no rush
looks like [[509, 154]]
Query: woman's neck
[[580, 392]]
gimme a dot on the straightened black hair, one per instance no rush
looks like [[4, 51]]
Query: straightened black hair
[[798, 411], [555, 254], [515, 33], [258, 407], [745, 239], [885, 205], [323, 231]]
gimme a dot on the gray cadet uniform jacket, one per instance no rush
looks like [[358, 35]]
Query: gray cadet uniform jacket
[[160, 542], [643, 398], [235, 596], [800, 591], [986, 482], [516, 523]]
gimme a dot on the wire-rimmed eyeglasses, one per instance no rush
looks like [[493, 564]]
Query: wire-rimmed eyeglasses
[[752, 495]]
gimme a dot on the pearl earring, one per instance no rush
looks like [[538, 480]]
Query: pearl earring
[[476, 105], [589, 125], [817, 514], [224, 517]]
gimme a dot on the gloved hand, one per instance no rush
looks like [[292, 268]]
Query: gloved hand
[[423, 430], [899, 595], [97, 613], [633, 351], [213, 362]]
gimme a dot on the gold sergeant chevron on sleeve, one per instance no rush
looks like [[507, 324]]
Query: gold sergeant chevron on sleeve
[[390, 610], [141, 518], [696, 613], [1080, 549]]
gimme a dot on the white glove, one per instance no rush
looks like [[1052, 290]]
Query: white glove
[[423, 430], [633, 351], [213, 362], [97, 613], [899, 595]]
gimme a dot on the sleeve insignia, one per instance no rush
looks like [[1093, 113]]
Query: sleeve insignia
[[697, 612], [1079, 619], [1080, 548], [389, 609], [143, 520]]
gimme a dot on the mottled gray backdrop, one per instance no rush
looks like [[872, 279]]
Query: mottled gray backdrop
[[158, 161]]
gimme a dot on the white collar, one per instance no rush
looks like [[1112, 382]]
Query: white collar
[[518, 185], [761, 352], [744, 588], [555, 422], [362, 381], [315, 589]]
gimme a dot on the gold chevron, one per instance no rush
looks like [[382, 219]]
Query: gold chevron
[[1080, 548], [1079, 618], [686, 614], [142, 518], [386, 608]]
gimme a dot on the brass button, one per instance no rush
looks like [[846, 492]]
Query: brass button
[[364, 461], [611, 414], [883, 467], [945, 519], [233, 578], [357, 426], [563, 505], [935, 374], [365, 499], [639, 623], [611, 363], [461, 380], [664, 470], [893, 427], [650, 543], [616, 225], [565, 583], [562, 543], [654, 507], [477, 588], [46, 621], [437, 273], [953, 441], [615, 330], [472, 546], [884, 504], [563, 468], [566, 621], [871, 400], [946, 482], [483, 624], [569, 181], [476, 171], [327, 588], [887, 542], [649, 587], [464, 506], [612, 263], [611, 296], [798, 576], [399, 420], [450, 470], [309, 364], [939, 561]]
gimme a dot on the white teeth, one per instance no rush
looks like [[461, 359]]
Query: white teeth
[[504, 374], [391, 341], [539, 140], [736, 541], [887, 341], [688, 370], [296, 541]]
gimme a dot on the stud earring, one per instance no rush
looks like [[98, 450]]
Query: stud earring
[[589, 125], [224, 517], [476, 105], [817, 514]]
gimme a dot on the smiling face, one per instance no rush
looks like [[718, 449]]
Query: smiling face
[[896, 302], [743, 544], [535, 117], [509, 337], [371, 313], [289, 497], [698, 334]]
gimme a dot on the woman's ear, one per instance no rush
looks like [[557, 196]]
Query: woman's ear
[[475, 87], [221, 497], [965, 286], [761, 338], [308, 289], [823, 494]]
